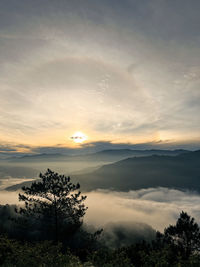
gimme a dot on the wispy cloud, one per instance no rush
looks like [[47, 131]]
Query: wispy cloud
[[109, 69], [92, 147]]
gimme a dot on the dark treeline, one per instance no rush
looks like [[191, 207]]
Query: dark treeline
[[48, 230]]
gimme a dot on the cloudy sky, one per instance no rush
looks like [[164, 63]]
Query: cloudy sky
[[118, 71]]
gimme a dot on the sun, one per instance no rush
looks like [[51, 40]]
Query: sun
[[78, 137]]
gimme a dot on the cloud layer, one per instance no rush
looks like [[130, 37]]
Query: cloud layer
[[12, 149], [157, 207], [132, 216], [126, 71]]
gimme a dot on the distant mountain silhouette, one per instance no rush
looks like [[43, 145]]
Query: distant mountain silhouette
[[17, 172], [105, 156], [38, 158], [181, 171], [19, 186]]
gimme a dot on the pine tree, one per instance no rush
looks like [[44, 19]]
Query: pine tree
[[54, 205], [185, 235]]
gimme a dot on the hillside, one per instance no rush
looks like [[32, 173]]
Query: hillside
[[182, 171], [104, 155]]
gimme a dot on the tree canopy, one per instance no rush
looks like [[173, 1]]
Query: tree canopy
[[54, 204], [185, 235]]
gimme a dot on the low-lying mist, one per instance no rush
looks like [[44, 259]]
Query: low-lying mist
[[17, 172], [157, 207]]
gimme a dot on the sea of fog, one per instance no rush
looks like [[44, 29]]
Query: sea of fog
[[157, 207]]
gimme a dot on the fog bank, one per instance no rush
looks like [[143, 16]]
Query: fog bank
[[157, 207]]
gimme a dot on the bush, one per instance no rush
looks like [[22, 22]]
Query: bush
[[14, 253]]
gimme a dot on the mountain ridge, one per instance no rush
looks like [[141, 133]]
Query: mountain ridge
[[143, 172], [109, 154]]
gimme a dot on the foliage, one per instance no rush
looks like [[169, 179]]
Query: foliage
[[15, 253], [163, 252], [110, 258], [185, 235], [53, 205], [54, 211]]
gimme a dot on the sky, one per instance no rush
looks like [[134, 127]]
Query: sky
[[120, 72]]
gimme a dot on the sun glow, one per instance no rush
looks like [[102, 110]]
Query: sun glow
[[78, 137]]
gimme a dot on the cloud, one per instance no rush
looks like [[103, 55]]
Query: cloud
[[158, 144], [6, 148], [158, 207], [8, 198], [128, 217], [92, 147], [64, 66], [126, 233], [13, 148]]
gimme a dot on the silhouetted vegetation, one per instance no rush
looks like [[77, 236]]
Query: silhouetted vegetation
[[54, 204], [48, 231]]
